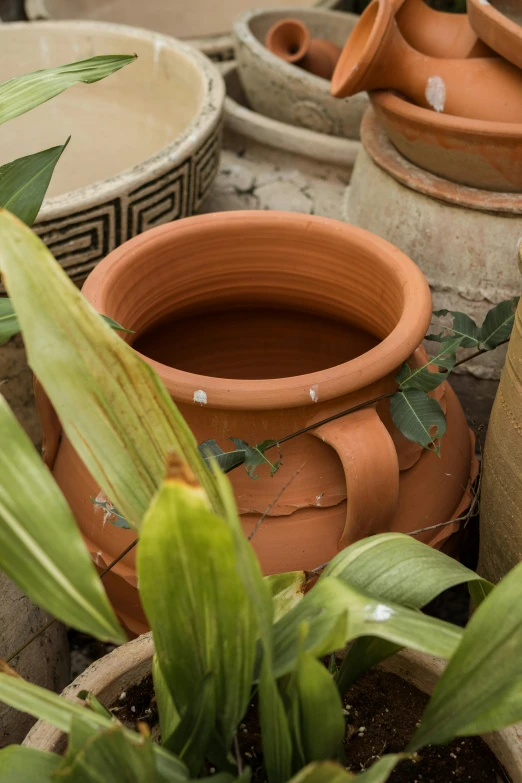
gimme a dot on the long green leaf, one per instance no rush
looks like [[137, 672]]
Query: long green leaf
[[337, 613], [287, 590], [199, 611], [329, 772], [112, 405], [168, 715], [275, 731], [61, 713], [191, 737], [424, 378], [23, 93], [462, 327], [40, 546], [416, 415], [481, 688], [24, 182], [498, 324], [29, 765]]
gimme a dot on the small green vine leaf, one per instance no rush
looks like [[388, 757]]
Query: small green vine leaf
[[250, 456], [463, 327], [111, 514], [255, 456], [498, 324], [425, 379], [114, 325], [418, 417]]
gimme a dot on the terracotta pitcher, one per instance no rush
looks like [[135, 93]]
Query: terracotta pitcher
[[260, 324], [290, 39], [437, 33], [376, 56]]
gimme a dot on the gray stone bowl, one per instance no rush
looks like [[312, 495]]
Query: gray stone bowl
[[284, 91]]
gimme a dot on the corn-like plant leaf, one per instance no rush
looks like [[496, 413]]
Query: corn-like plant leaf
[[275, 731], [93, 703], [418, 417], [337, 613], [199, 611], [481, 688], [112, 405], [24, 182], [287, 590], [395, 567], [23, 93], [462, 327], [315, 712], [168, 714], [330, 772], [60, 712], [29, 765], [191, 737], [498, 324], [40, 546], [425, 379], [110, 755]]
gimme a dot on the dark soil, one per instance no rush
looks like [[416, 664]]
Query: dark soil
[[137, 705], [376, 727]]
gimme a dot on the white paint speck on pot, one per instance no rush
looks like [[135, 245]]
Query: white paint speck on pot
[[200, 396], [436, 93], [378, 614], [314, 393]]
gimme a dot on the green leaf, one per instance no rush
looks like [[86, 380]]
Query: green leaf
[[380, 770], [337, 613], [111, 514], [116, 326], [498, 324], [463, 327], [315, 711], [19, 764], [93, 703], [41, 548], [24, 182], [395, 567], [23, 93], [168, 714], [329, 772], [250, 456], [416, 415], [190, 738], [226, 460], [287, 590], [481, 688], [8, 321], [425, 379], [111, 756], [60, 712], [113, 407], [255, 456], [199, 611], [275, 731]]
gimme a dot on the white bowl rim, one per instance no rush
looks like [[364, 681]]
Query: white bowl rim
[[208, 116]]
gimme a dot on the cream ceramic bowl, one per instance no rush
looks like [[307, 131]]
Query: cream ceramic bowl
[[286, 92], [145, 142]]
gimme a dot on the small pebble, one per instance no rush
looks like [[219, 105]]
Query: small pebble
[[123, 694], [133, 708]]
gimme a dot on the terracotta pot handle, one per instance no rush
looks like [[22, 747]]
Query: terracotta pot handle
[[371, 467], [51, 427]]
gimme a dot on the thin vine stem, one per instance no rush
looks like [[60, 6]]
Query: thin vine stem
[[479, 353]]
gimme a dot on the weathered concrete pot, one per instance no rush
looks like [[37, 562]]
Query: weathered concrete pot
[[130, 664], [203, 23], [463, 239], [266, 164], [501, 497], [284, 91], [44, 662], [145, 142]]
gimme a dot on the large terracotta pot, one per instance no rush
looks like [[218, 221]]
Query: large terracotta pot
[[499, 31], [129, 664], [145, 142], [286, 320], [290, 39], [376, 56], [295, 96], [45, 662], [463, 239], [267, 164], [436, 33], [478, 153], [501, 504]]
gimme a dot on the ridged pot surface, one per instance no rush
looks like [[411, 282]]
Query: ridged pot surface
[[260, 324]]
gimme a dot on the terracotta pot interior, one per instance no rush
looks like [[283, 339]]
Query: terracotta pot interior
[[288, 39], [114, 124], [351, 68], [332, 26], [236, 305]]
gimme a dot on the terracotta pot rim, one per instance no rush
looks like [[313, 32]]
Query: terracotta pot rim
[[242, 32], [492, 26], [294, 391], [381, 150], [208, 115], [438, 121], [283, 136]]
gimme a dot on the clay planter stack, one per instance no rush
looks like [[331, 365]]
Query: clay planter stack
[[259, 324], [440, 175]]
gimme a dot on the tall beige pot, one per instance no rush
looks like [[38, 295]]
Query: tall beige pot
[[501, 504]]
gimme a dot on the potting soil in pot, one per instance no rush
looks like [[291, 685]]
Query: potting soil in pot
[[254, 343], [382, 711]]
